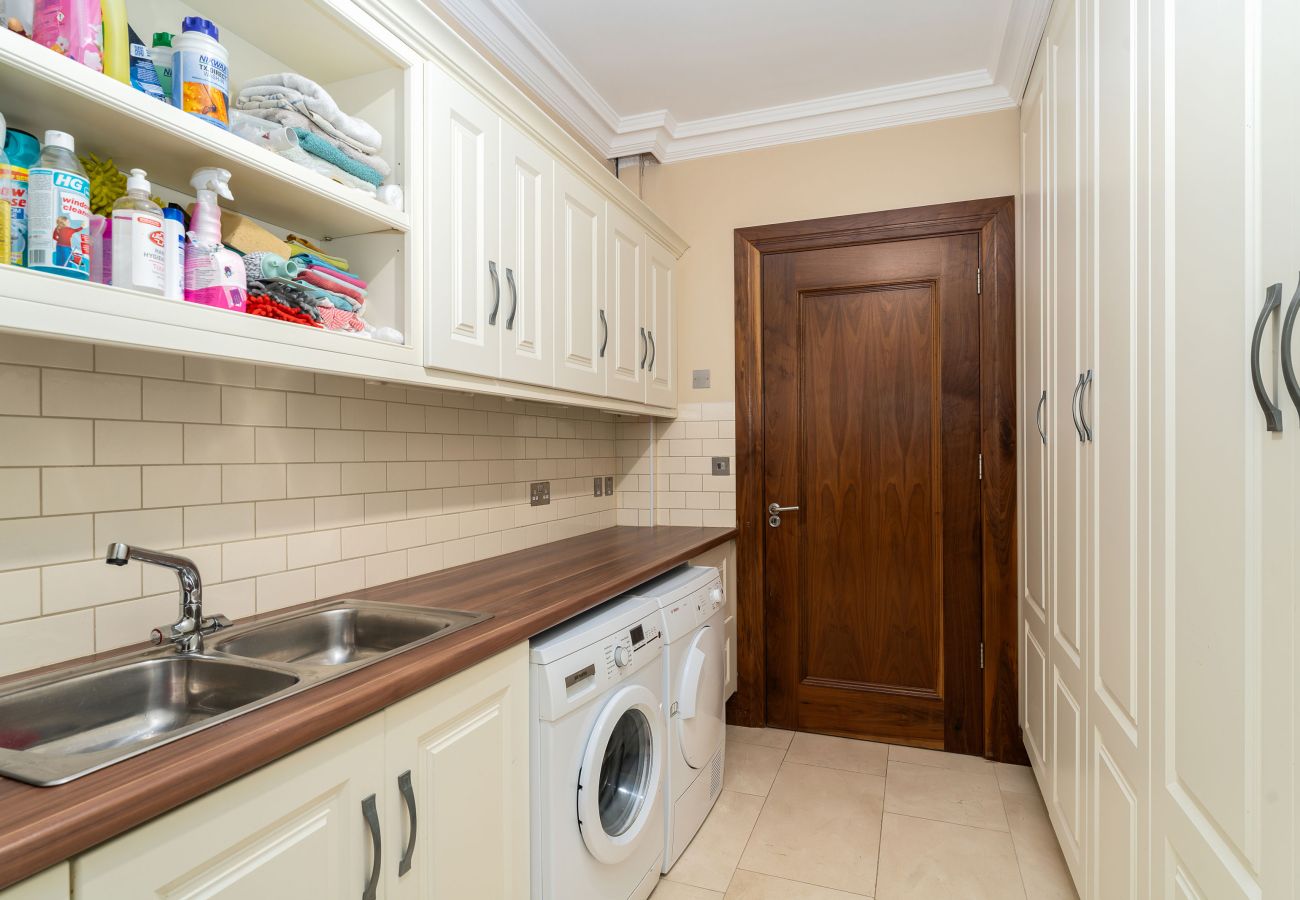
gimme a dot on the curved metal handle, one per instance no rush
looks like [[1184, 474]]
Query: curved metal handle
[[654, 353], [496, 292], [1074, 407], [645, 348], [1084, 392], [604, 340], [371, 814], [776, 509], [1272, 413], [1288, 362], [1038, 417], [514, 300], [408, 797]]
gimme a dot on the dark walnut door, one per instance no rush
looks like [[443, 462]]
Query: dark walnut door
[[871, 367]]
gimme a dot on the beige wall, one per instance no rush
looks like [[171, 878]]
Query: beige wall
[[705, 200]]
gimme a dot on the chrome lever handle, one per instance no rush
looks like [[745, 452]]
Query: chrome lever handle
[[776, 509]]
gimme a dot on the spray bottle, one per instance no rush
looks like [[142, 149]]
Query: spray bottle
[[214, 275]]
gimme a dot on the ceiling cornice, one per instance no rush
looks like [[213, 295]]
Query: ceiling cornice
[[520, 45]]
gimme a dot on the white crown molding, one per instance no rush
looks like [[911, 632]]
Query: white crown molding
[[516, 40]]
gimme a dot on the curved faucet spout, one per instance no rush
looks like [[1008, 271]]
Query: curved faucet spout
[[188, 631]]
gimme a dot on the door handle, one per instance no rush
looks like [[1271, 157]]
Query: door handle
[[1084, 393], [1074, 407], [408, 797], [645, 348], [371, 814], [1038, 417], [774, 511], [496, 292], [514, 300], [604, 338], [1288, 360], [1272, 413], [654, 353]]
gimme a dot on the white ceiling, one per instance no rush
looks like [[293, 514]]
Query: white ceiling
[[687, 78]]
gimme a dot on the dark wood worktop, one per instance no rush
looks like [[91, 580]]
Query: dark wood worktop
[[527, 592]]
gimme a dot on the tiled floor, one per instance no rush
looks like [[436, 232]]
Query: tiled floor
[[810, 817]]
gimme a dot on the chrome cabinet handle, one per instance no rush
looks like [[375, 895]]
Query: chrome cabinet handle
[[1038, 417], [654, 353], [514, 300], [1084, 393], [1074, 407], [604, 340], [645, 348], [371, 814], [1272, 413], [1288, 360], [408, 797], [496, 292]]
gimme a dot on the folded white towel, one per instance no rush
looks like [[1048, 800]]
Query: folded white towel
[[296, 92], [291, 118]]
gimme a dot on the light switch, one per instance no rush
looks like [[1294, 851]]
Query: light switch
[[701, 378], [722, 465]]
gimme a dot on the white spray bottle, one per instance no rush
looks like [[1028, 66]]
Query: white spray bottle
[[214, 276]]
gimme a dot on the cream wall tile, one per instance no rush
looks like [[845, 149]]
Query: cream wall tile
[[261, 481], [340, 446], [363, 478], [137, 443], [20, 391], [405, 417], [284, 445], [89, 395], [219, 371], [339, 386], [312, 411], [157, 529], [39, 642], [285, 517], [123, 624], [313, 479], [364, 540], [29, 350], [340, 578], [385, 567], [181, 401], [339, 512], [285, 589], [157, 580], [20, 493], [363, 415], [46, 442], [385, 446], [20, 595], [405, 534], [193, 485], [277, 378], [84, 584], [89, 489], [233, 599], [423, 560], [385, 507], [218, 523], [219, 444], [244, 559], [314, 548], [45, 541], [133, 361], [241, 406], [405, 476]]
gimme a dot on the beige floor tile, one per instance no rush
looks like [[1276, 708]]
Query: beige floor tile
[[1016, 779], [819, 826], [674, 890], [712, 856], [1041, 864], [939, 759], [753, 886], [948, 795], [764, 737], [838, 753], [750, 769], [925, 860]]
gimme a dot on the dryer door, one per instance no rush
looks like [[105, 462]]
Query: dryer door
[[701, 715], [618, 786]]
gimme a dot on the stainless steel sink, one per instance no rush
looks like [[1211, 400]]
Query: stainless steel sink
[[65, 724]]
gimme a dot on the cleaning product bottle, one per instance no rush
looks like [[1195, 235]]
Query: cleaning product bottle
[[139, 239], [6, 194], [58, 210], [101, 249], [161, 53], [71, 28], [174, 239], [23, 151], [201, 72], [144, 77], [214, 275], [116, 42]]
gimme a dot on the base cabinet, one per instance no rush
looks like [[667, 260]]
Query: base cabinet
[[55, 883]]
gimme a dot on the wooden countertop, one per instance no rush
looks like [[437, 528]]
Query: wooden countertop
[[527, 592]]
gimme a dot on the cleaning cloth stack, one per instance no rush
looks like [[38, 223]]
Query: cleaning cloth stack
[[317, 288]]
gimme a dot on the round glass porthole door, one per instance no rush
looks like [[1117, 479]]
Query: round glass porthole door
[[618, 788]]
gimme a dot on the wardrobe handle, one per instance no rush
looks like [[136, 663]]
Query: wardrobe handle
[[645, 348], [496, 292], [654, 353], [408, 797], [1288, 361], [1038, 417], [1074, 407], [371, 814], [514, 299], [1084, 393], [1272, 413], [604, 338]]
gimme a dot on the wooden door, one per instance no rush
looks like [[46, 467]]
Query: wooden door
[[660, 325], [629, 347], [466, 148], [527, 317], [871, 393], [581, 323]]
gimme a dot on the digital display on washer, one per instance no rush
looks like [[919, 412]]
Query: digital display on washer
[[637, 634]]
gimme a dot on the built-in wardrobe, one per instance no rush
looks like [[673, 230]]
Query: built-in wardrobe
[[1160, 444]]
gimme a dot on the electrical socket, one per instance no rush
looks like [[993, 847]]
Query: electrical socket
[[539, 493], [597, 487], [609, 485]]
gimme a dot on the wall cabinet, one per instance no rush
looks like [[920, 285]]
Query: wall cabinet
[[449, 764], [629, 348], [1159, 497], [581, 322], [660, 325]]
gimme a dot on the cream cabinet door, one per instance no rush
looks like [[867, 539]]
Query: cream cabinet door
[[660, 325], [629, 346], [296, 828], [527, 316], [582, 325], [463, 745], [55, 883], [462, 313]]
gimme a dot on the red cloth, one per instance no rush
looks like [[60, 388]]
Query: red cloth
[[261, 305]]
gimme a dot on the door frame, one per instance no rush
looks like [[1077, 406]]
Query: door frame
[[993, 220]]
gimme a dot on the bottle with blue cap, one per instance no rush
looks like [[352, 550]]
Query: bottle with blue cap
[[201, 72]]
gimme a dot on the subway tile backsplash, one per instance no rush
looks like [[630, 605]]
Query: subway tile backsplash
[[667, 468]]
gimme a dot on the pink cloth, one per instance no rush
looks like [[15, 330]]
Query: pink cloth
[[340, 319], [341, 276], [332, 284]]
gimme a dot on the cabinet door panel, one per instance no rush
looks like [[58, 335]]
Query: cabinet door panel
[[629, 347], [660, 325], [582, 326], [526, 320]]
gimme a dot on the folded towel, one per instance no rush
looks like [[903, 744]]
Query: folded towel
[[302, 246], [309, 260], [318, 146], [320, 280], [316, 164], [291, 91], [279, 117], [320, 296], [342, 320], [337, 274]]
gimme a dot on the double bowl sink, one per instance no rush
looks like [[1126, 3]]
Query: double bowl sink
[[62, 725]]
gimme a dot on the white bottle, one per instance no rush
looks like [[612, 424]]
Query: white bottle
[[139, 242]]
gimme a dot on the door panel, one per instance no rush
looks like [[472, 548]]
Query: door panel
[[660, 324], [527, 316], [629, 347], [581, 326]]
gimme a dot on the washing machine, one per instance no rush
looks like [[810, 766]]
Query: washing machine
[[598, 752], [692, 602]]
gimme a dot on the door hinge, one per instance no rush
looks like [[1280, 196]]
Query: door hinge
[[981, 467], [981, 654], [979, 281]]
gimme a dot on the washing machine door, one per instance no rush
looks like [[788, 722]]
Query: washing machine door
[[618, 786], [701, 715]]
